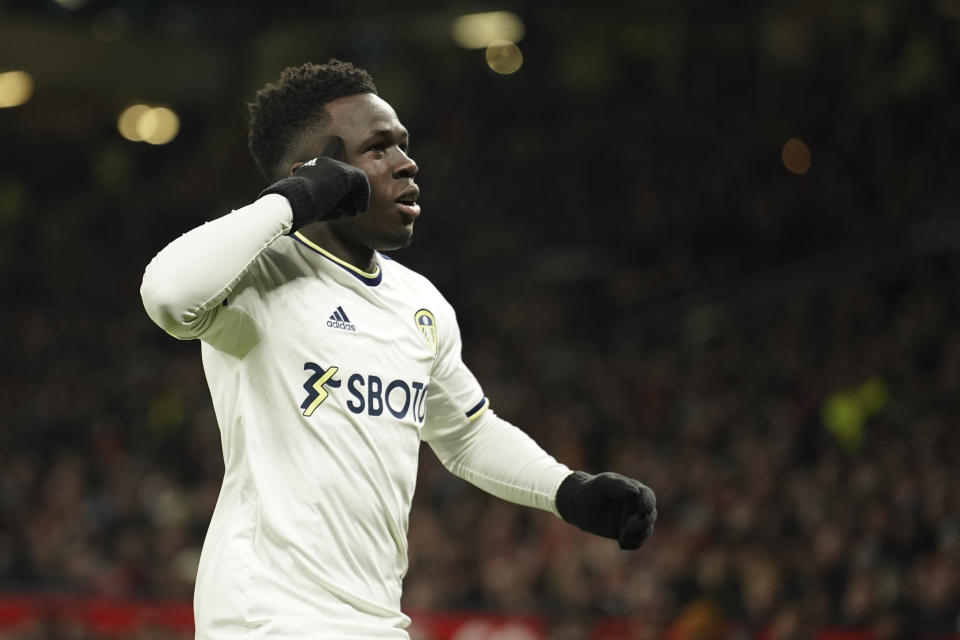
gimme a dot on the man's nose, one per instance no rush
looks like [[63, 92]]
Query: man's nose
[[405, 167]]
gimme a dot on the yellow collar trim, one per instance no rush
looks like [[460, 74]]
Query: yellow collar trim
[[346, 265]]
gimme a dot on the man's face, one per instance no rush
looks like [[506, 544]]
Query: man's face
[[376, 142]]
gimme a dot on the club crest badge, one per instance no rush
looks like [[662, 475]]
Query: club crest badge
[[428, 328]]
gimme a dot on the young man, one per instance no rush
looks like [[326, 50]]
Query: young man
[[328, 364]]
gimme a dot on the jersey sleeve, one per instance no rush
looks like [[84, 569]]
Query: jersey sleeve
[[201, 285], [455, 397], [477, 445]]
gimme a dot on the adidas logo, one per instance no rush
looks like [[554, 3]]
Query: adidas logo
[[339, 320]]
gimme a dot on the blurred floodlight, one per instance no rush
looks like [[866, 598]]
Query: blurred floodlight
[[153, 125], [71, 4], [16, 87], [796, 156], [479, 30], [504, 57], [127, 122], [158, 125]]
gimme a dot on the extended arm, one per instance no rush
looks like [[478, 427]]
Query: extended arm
[[504, 461]]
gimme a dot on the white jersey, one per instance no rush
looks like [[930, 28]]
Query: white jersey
[[324, 379]]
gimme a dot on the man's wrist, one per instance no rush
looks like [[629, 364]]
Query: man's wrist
[[567, 495], [297, 193]]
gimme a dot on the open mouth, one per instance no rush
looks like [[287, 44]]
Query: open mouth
[[409, 210], [407, 203]]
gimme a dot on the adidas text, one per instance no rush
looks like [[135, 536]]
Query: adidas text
[[339, 320]]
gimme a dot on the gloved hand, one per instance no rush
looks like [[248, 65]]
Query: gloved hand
[[609, 505], [324, 188]]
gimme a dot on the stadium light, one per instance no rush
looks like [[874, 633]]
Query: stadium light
[[504, 57], [479, 30], [153, 125], [159, 125], [796, 156], [16, 87], [127, 122]]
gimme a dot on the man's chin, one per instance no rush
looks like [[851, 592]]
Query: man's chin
[[401, 240]]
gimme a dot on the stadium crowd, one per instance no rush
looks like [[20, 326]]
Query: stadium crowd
[[632, 304]]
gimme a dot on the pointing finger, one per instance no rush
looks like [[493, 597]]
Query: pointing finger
[[334, 148]]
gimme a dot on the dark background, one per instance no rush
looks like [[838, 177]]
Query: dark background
[[641, 283]]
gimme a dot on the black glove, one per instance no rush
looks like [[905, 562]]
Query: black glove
[[324, 188], [608, 505]]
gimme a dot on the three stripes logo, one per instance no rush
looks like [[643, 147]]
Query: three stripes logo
[[339, 320]]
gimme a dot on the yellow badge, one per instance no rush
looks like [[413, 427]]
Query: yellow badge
[[428, 328]]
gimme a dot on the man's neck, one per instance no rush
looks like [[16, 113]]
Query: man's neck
[[325, 236]]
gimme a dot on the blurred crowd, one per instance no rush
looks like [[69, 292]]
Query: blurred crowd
[[768, 519], [640, 287]]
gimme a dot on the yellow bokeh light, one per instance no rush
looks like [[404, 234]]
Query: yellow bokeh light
[[153, 125], [479, 30], [127, 122], [16, 87], [796, 156], [504, 57], [147, 125], [158, 126]]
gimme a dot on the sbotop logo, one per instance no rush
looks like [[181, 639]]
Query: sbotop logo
[[369, 394]]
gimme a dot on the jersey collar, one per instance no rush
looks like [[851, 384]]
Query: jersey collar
[[369, 279]]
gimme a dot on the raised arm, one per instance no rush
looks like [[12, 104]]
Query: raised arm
[[185, 284]]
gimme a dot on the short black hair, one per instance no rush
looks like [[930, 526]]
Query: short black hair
[[280, 113]]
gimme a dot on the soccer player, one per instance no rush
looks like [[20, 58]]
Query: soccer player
[[328, 363]]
